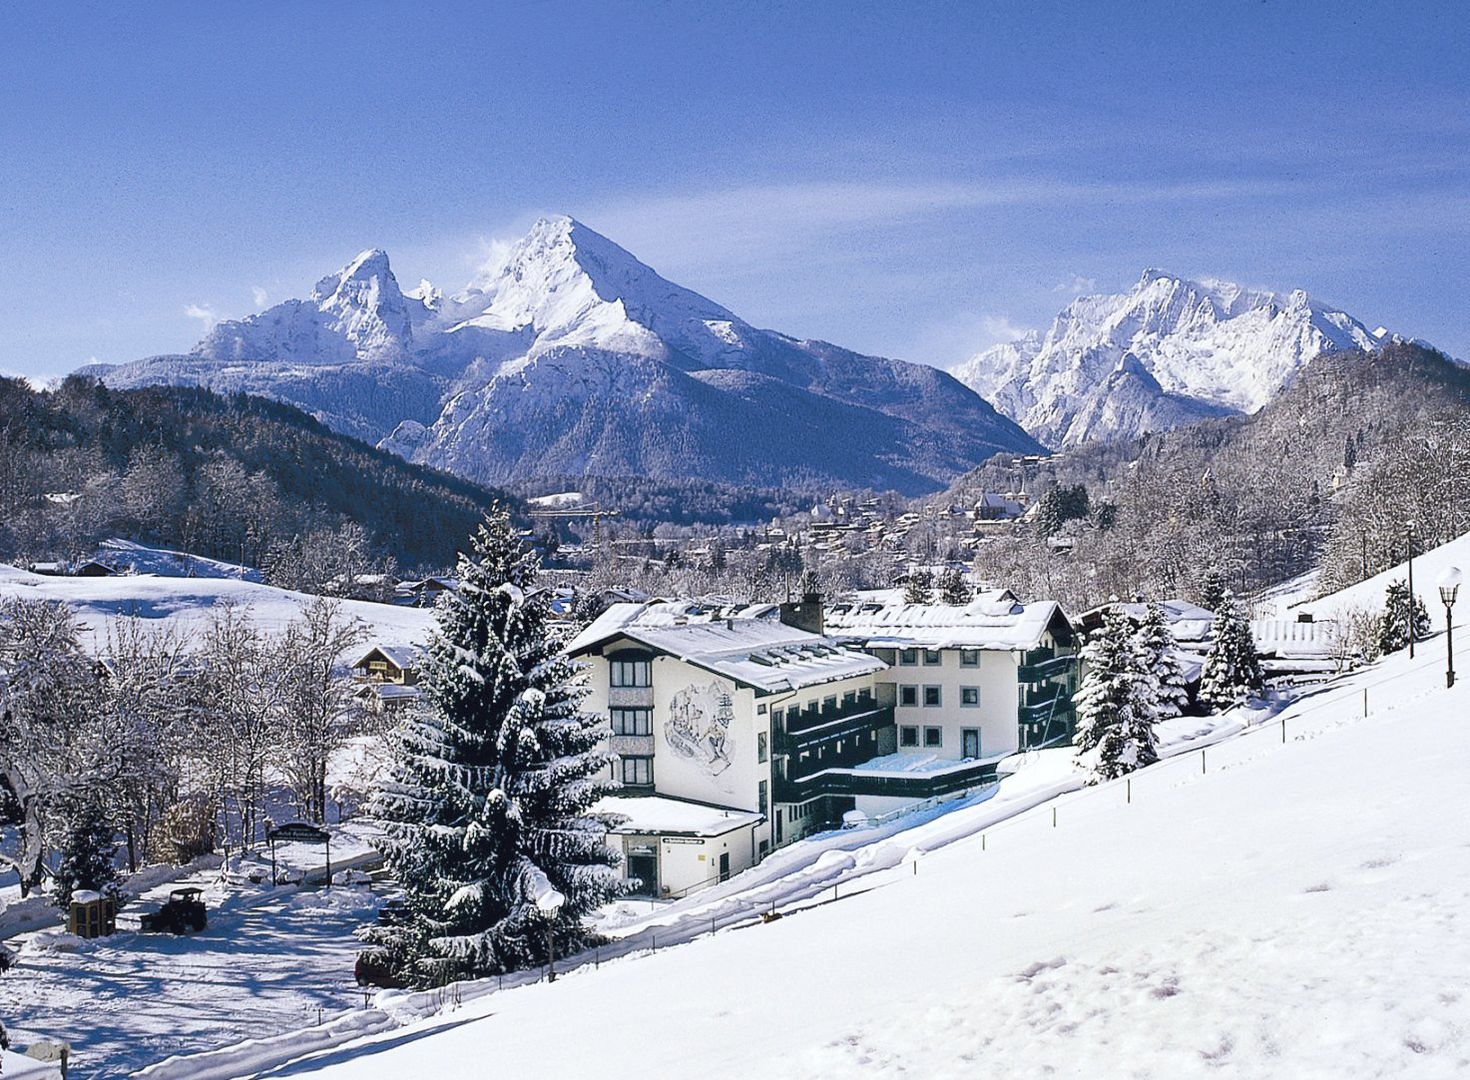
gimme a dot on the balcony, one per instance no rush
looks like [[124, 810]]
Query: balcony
[[632, 745], [813, 729], [917, 785], [1038, 705], [1044, 663]]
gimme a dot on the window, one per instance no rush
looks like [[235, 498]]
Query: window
[[638, 771], [632, 721], [849, 699], [829, 704], [970, 696], [908, 736], [778, 718], [908, 657], [931, 658], [908, 695], [933, 736], [632, 673], [931, 697], [969, 658], [762, 750], [865, 695], [760, 797]]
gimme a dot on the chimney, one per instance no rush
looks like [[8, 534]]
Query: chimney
[[805, 614]]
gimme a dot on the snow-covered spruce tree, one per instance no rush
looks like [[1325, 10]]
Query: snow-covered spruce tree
[[1161, 659], [954, 590], [1393, 624], [919, 587], [88, 846], [1232, 674], [487, 811], [1212, 589], [1116, 701]]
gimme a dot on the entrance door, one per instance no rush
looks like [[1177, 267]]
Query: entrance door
[[645, 869], [724, 866], [970, 742]]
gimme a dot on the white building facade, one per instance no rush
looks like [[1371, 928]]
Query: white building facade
[[788, 728]]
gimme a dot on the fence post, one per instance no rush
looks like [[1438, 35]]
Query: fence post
[[1202, 761], [1365, 701], [1053, 817], [1128, 786], [982, 848], [1283, 730]]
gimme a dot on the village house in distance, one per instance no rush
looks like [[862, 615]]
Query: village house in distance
[[740, 730]]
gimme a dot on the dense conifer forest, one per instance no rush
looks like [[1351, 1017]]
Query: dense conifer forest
[[238, 478]]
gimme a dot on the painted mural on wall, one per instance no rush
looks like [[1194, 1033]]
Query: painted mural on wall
[[698, 728]]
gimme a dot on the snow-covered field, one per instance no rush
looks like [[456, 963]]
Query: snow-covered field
[[1293, 902], [271, 960], [186, 602]]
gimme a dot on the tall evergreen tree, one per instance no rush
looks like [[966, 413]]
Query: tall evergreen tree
[[919, 587], [1116, 701], [488, 809], [88, 847], [954, 590], [1161, 659], [1212, 589], [1393, 624], [1232, 673]]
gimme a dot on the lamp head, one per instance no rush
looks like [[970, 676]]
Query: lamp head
[[1449, 584]]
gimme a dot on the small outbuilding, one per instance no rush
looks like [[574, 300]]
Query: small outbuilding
[[92, 914]]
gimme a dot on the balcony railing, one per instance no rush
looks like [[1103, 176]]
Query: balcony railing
[[1043, 663], [812, 728], [850, 782]]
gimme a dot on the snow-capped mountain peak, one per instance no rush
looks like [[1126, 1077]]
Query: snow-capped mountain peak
[[356, 314], [1208, 346], [569, 356], [569, 286]]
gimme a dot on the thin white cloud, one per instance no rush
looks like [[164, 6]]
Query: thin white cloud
[[953, 339], [1077, 286], [204, 313], [260, 296]]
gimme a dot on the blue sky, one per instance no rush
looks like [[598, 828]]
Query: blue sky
[[916, 180]]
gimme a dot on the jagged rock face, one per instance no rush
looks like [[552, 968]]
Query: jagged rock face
[[1205, 348], [572, 357]]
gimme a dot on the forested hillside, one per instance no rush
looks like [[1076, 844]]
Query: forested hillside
[[238, 478], [1332, 470]]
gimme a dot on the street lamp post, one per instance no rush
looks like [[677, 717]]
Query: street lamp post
[[1411, 590], [1449, 587]]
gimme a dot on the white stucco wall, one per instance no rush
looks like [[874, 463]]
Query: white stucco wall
[[995, 717]]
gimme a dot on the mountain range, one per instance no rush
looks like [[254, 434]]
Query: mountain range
[[1166, 353], [570, 357]]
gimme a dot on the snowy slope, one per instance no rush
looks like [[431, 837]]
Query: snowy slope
[[1165, 353], [1300, 595], [186, 603], [1292, 902], [572, 357]]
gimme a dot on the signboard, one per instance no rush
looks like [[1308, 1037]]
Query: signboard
[[681, 840], [299, 832]]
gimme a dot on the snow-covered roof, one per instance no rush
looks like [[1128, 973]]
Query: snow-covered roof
[[1188, 623], [1293, 640], [401, 657], [658, 814], [994, 620], [748, 647]]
